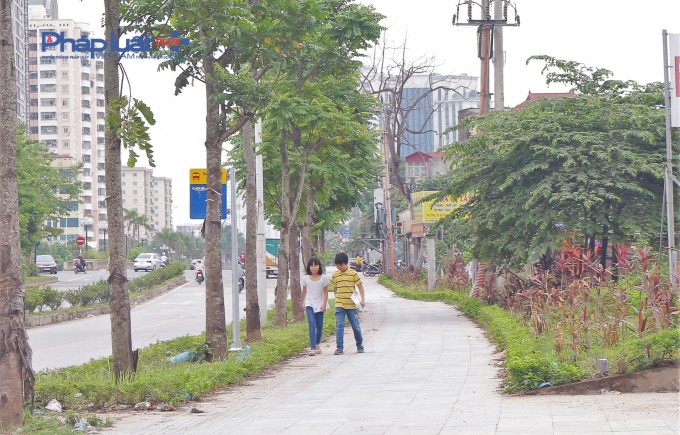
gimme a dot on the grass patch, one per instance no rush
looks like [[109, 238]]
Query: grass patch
[[531, 360], [91, 386]]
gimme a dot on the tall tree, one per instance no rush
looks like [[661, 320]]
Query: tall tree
[[307, 110], [225, 54], [587, 167], [45, 192], [126, 126], [16, 379]]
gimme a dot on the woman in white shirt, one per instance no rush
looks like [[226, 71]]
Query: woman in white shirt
[[315, 300]]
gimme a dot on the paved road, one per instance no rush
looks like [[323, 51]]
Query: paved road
[[177, 313], [427, 370], [70, 280]]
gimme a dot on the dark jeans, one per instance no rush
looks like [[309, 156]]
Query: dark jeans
[[315, 322], [353, 317]]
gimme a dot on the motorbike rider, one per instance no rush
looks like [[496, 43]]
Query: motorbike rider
[[199, 268], [81, 262], [164, 259]]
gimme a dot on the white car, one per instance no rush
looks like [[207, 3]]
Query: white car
[[147, 261]]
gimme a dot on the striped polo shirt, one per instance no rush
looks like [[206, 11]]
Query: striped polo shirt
[[343, 286]]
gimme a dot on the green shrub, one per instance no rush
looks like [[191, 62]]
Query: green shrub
[[51, 298], [33, 299], [39, 297], [157, 277]]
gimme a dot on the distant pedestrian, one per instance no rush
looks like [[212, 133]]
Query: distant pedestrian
[[344, 281], [314, 299]]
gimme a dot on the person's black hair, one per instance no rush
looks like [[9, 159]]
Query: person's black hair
[[313, 261], [341, 258]]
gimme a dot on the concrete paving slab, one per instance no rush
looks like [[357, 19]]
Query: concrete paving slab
[[427, 370]]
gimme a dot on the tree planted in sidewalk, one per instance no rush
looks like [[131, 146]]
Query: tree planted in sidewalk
[[16, 373]]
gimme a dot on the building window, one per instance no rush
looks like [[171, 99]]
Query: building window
[[64, 74], [64, 102], [134, 192], [66, 130], [64, 116], [65, 144], [418, 169], [64, 88]]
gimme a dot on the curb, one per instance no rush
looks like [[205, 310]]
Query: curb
[[49, 319]]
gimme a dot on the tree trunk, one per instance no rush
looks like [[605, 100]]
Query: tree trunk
[[16, 374], [307, 229], [252, 305], [322, 242], [124, 359], [295, 290], [281, 293], [281, 297], [605, 247], [215, 324]]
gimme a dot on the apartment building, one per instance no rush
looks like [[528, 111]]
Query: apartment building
[[67, 112], [19, 29], [149, 196]]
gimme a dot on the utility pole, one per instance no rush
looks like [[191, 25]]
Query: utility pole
[[484, 53], [498, 59], [668, 175], [487, 30], [235, 312], [388, 262], [261, 248]]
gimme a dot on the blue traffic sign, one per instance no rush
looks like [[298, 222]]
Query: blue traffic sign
[[346, 233], [198, 184]]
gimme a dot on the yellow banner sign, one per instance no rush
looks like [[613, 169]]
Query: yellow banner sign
[[200, 176], [431, 211]]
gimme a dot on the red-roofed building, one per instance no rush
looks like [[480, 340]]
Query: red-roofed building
[[536, 95], [420, 165]]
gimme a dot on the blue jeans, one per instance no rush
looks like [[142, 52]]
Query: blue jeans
[[353, 317], [315, 322]]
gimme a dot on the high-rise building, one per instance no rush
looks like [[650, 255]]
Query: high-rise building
[[430, 104], [67, 112], [161, 200], [149, 196], [19, 28]]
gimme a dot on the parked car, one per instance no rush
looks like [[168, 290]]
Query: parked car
[[46, 263], [147, 261]]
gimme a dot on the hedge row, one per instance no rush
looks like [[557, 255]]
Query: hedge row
[[45, 297]]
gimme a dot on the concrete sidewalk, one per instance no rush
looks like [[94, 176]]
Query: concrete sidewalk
[[427, 370]]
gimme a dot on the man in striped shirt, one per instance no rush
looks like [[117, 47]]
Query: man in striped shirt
[[344, 281]]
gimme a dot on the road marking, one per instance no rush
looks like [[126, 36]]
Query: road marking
[[177, 303]]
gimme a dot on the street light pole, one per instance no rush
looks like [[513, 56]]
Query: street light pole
[[235, 317]]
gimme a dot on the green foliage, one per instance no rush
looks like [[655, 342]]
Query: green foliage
[[41, 297], [156, 380], [157, 277], [587, 166], [134, 252], [46, 193], [132, 118]]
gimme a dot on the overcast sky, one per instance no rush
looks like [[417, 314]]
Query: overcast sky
[[623, 36]]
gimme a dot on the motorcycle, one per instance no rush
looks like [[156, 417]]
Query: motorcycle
[[242, 282], [373, 269], [199, 277], [79, 266]]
